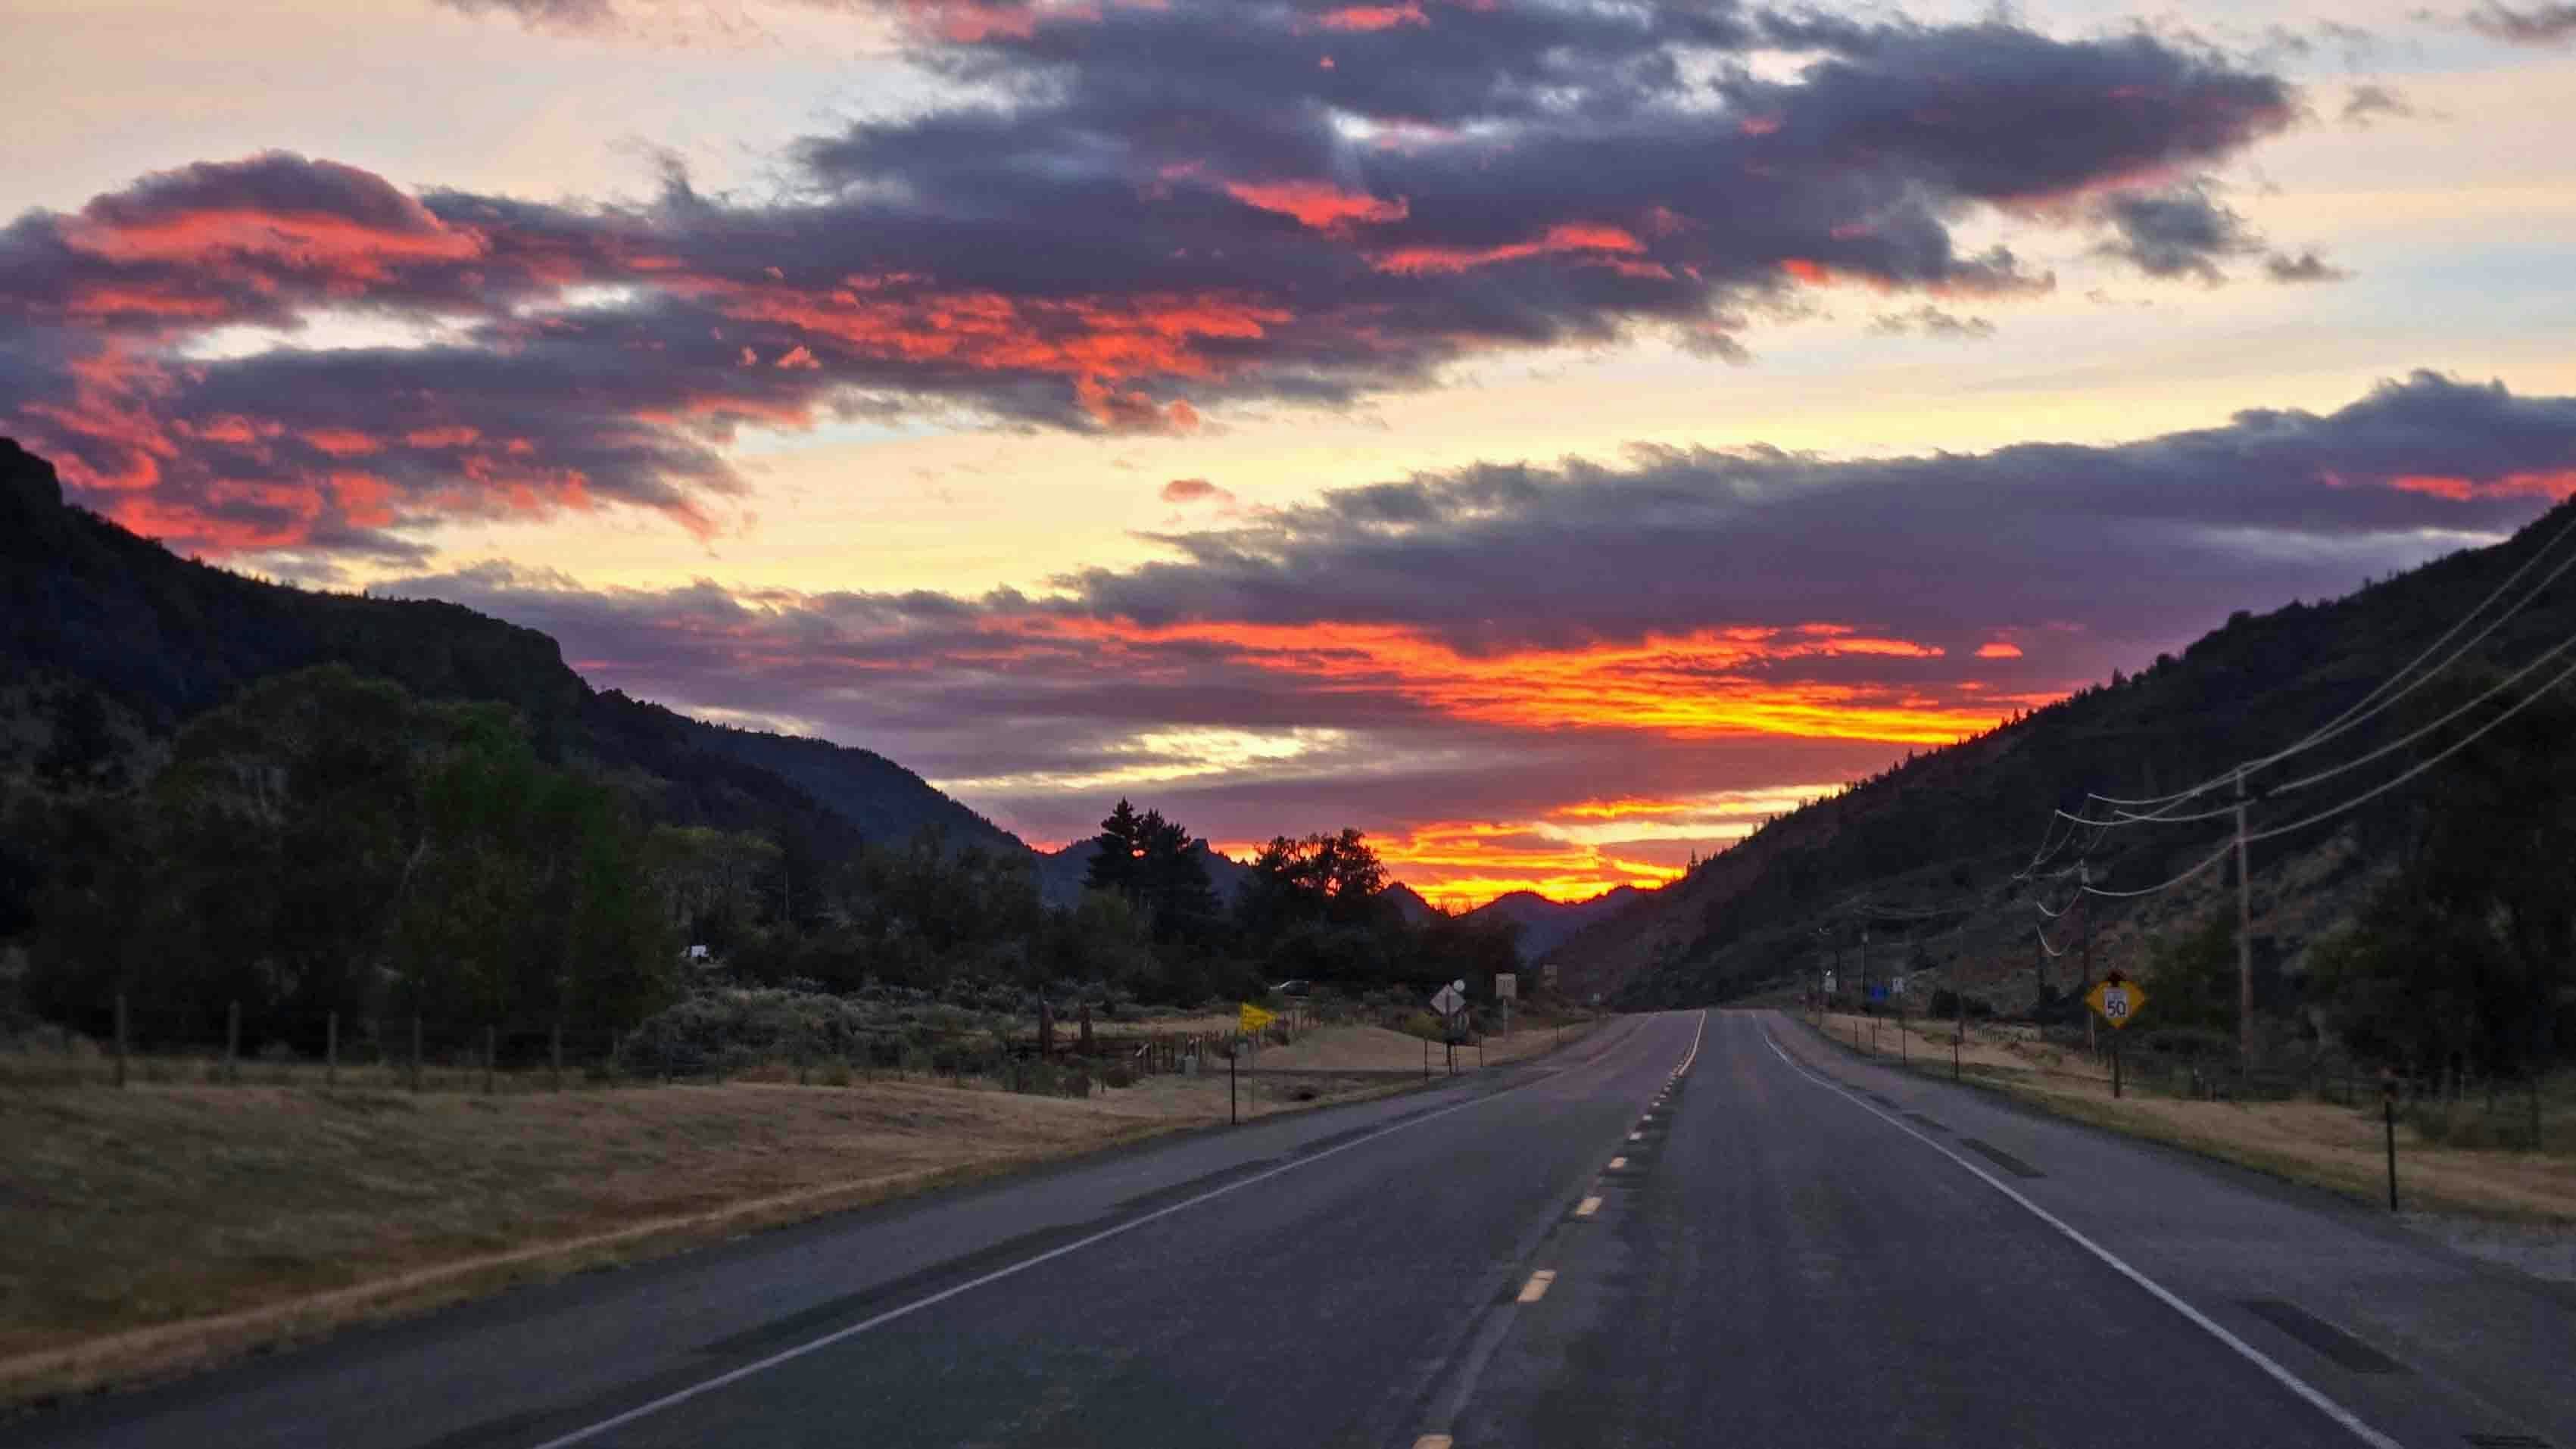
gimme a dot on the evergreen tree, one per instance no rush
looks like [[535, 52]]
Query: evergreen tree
[[1121, 846]]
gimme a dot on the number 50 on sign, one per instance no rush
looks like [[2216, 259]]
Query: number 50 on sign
[[2117, 999]]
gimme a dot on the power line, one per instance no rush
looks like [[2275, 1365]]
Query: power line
[[2463, 743], [2563, 676], [2092, 890], [2364, 709], [2357, 762]]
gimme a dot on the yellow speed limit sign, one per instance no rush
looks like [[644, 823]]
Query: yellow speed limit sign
[[2117, 998]]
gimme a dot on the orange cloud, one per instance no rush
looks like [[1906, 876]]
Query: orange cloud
[[1098, 342], [1565, 237], [1374, 17], [1621, 809], [1999, 649], [1318, 204], [1459, 865], [307, 240], [2555, 486], [1701, 684], [447, 437], [341, 442]]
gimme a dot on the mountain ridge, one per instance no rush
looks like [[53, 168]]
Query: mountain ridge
[[1953, 825], [163, 638]]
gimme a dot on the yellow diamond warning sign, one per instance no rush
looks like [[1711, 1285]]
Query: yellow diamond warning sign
[[2117, 998], [1254, 1018]]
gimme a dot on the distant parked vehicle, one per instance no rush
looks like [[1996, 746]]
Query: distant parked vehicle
[[1294, 988]]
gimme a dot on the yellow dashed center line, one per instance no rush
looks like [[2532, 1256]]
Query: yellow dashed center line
[[1433, 1441], [1617, 1162], [1587, 1207], [1536, 1288]]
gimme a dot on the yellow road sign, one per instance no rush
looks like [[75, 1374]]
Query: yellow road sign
[[1254, 1018], [2117, 998]]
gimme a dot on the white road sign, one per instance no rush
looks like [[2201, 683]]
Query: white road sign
[[1449, 1000], [1507, 986]]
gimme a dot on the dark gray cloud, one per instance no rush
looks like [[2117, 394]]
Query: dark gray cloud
[[2365, 103], [1943, 548], [1931, 321], [2545, 24], [1148, 213], [2184, 232], [1496, 617], [2302, 267]]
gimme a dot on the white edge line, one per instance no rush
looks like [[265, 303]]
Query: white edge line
[[736, 1375], [2299, 1386]]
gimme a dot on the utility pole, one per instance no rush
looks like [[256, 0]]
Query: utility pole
[[1864, 989], [2084, 874], [2244, 937]]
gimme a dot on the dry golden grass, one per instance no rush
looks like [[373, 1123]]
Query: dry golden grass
[[1375, 1049], [158, 1228], [181, 1221], [1999, 1047], [2337, 1147], [2342, 1149]]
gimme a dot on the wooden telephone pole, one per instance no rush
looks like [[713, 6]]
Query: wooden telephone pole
[[2244, 936]]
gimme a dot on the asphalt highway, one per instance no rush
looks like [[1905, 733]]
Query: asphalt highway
[[1689, 1229]]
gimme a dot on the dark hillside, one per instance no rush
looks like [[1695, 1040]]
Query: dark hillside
[[862, 785], [1543, 922], [1948, 829], [161, 639]]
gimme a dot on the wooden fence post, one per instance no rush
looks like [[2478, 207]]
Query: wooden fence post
[[331, 1050], [232, 1042], [491, 1045], [415, 1051]]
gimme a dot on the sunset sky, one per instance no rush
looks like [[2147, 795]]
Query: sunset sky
[[1550, 436]]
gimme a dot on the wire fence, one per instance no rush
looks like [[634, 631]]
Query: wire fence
[[1054, 1053], [418, 1053], [2457, 1106]]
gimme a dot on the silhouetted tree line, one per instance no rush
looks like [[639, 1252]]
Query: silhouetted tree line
[[328, 843]]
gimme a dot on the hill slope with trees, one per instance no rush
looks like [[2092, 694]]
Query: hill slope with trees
[[1927, 860], [130, 641], [234, 805]]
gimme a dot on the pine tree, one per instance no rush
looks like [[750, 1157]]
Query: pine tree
[[1122, 848]]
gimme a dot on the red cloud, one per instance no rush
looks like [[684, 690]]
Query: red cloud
[[1374, 17], [1565, 237], [1318, 204], [1194, 490]]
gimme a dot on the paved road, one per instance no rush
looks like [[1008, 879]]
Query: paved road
[[1780, 1258]]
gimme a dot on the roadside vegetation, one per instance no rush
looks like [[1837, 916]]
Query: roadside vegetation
[[2465, 1146], [327, 866], [196, 1215]]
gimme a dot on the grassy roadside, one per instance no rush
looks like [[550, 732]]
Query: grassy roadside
[[2319, 1144], [168, 1226]]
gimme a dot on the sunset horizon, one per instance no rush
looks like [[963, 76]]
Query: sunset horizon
[[1550, 437]]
